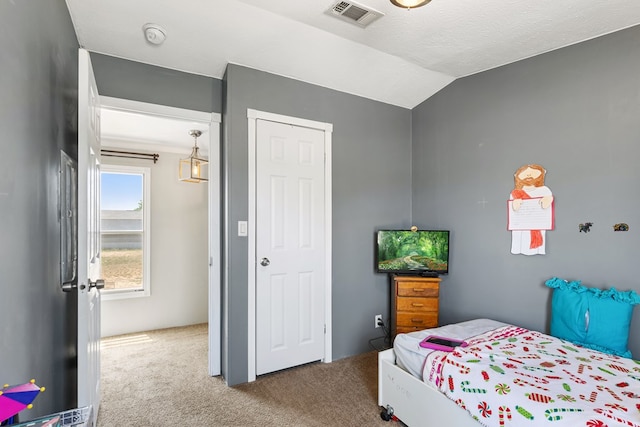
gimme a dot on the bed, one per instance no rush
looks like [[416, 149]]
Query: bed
[[506, 376]]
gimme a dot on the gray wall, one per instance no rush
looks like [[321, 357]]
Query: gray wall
[[121, 78], [575, 111], [371, 189], [38, 118]]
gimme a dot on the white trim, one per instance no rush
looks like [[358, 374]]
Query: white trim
[[278, 118], [108, 295], [251, 250], [252, 116], [328, 182], [119, 104], [213, 119], [215, 291]]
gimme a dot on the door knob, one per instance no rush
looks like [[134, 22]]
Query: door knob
[[98, 284], [264, 262]]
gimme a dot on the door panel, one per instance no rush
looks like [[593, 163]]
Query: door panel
[[290, 246], [89, 265]]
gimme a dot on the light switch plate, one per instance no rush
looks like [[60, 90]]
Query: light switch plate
[[242, 228]]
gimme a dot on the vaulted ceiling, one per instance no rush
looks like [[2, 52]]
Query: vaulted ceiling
[[402, 58]]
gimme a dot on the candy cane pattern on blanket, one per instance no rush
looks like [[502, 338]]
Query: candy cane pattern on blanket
[[530, 356], [463, 387], [463, 369], [611, 392], [574, 378], [596, 357], [534, 378], [511, 332], [609, 414], [592, 397], [616, 406], [523, 383], [503, 411], [582, 366], [553, 390], [549, 413], [537, 368], [545, 352]]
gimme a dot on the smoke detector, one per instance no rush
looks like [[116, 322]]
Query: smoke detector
[[354, 13], [154, 33]]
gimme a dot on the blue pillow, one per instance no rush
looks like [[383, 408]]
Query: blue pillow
[[593, 318]]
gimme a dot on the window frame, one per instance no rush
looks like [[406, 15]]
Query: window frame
[[116, 294]]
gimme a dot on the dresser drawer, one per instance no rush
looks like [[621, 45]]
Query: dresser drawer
[[407, 329], [418, 289], [417, 320], [417, 304]]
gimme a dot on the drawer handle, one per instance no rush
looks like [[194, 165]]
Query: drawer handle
[[416, 304], [418, 290], [416, 320]]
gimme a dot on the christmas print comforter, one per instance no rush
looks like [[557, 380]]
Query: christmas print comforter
[[516, 377]]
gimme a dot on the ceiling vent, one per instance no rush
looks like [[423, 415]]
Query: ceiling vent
[[354, 13]]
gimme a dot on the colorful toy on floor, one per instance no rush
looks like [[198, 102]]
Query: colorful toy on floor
[[14, 399]]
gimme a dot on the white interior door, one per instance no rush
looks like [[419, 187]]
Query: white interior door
[[290, 246], [89, 267]]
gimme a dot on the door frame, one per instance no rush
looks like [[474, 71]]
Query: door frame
[[327, 128], [214, 119]]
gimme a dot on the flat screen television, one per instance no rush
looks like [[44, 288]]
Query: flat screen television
[[422, 252]]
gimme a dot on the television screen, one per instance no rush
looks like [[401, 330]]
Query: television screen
[[413, 252]]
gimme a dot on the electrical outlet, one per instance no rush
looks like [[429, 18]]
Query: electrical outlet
[[378, 320]]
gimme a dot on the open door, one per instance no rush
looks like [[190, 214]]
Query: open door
[[89, 266]]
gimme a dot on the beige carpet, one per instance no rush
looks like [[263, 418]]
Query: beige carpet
[[159, 378]]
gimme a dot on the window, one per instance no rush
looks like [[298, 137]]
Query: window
[[124, 221]]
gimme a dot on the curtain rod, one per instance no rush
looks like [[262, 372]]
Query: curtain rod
[[130, 155]]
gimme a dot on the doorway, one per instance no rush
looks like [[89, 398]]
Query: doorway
[[178, 209], [289, 307]]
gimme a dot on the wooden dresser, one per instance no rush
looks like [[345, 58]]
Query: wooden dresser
[[415, 303]]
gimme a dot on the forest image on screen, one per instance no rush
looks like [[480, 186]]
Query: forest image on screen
[[400, 251]]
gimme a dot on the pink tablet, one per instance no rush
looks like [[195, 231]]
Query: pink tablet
[[441, 343]]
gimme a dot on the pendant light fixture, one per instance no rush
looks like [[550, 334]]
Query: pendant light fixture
[[410, 4], [194, 168]]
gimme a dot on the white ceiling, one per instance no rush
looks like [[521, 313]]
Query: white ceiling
[[133, 131], [401, 59]]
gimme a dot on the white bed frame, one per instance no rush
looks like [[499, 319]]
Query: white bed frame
[[414, 402]]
